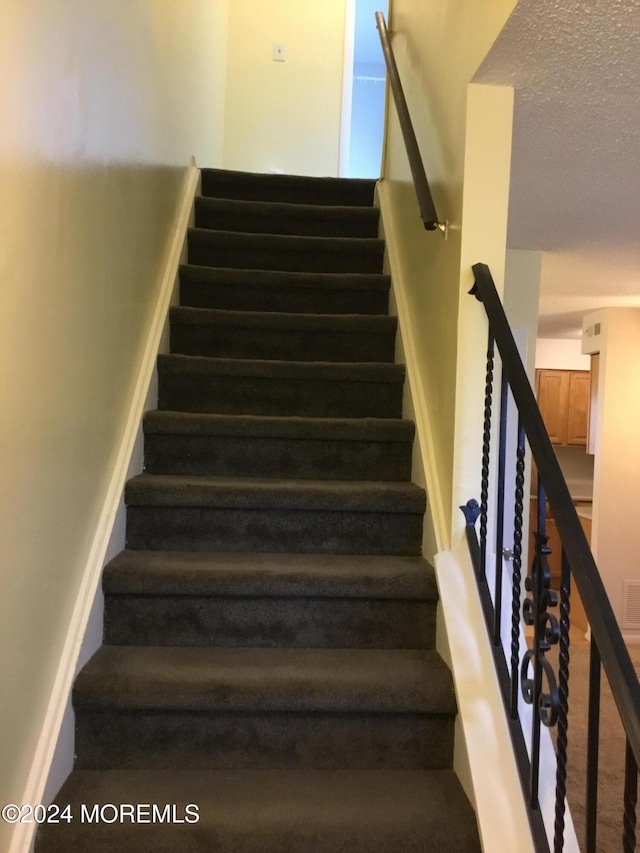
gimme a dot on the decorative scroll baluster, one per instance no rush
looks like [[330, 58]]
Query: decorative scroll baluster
[[517, 573], [630, 801], [486, 449], [593, 748], [563, 707]]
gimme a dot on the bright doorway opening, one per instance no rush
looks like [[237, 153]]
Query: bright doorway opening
[[363, 92]]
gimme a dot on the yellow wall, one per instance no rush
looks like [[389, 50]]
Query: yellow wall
[[284, 116], [615, 534], [438, 47], [103, 104]]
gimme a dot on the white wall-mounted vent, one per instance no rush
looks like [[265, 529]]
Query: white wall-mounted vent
[[592, 334], [631, 605]]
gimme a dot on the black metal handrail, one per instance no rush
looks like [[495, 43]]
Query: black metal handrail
[[423, 191], [529, 678], [550, 703]]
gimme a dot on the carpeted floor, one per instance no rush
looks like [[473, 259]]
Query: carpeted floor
[[612, 749]]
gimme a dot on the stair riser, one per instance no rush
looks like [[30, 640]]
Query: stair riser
[[156, 620], [224, 456], [160, 528], [184, 392], [285, 344], [192, 740], [303, 300], [237, 255], [364, 224], [274, 188]]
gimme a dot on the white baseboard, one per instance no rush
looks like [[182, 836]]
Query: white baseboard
[[53, 756]]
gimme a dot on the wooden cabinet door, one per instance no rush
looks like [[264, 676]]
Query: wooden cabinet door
[[578, 410], [553, 400], [563, 398]]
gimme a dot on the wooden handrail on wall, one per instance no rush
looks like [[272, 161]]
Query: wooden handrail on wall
[[428, 212]]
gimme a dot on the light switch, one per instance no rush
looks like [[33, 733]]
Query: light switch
[[279, 52]]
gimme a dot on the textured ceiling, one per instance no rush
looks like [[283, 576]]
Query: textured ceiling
[[575, 183]]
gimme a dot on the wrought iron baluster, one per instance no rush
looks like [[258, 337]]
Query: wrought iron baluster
[[630, 801], [546, 633], [563, 707], [486, 451], [516, 578], [531, 613], [593, 738], [548, 694], [502, 449]]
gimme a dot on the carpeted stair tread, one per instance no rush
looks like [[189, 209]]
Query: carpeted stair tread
[[272, 811], [336, 389], [266, 601], [171, 490], [346, 429], [296, 189], [353, 323], [270, 279], [285, 252], [268, 290], [282, 336], [285, 447], [282, 575], [269, 217], [268, 369], [266, 679]]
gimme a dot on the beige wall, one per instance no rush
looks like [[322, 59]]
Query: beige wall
[[103, 104], [521, 297], [615, 533], [438, 47], [561, 354], [284, 116]]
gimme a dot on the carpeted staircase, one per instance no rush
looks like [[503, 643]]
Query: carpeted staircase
[[269, 631]]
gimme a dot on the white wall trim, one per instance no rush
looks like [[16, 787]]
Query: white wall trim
[[424, 434], [57, 707], [484, 759]]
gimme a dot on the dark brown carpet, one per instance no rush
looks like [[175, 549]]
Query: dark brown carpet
[[269, 630]]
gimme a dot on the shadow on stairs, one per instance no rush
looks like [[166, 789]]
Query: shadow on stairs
[[268, 680]]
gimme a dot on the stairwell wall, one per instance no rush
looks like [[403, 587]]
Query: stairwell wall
[[284, 116], [104, 105], [438, 48], [464, 134]]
